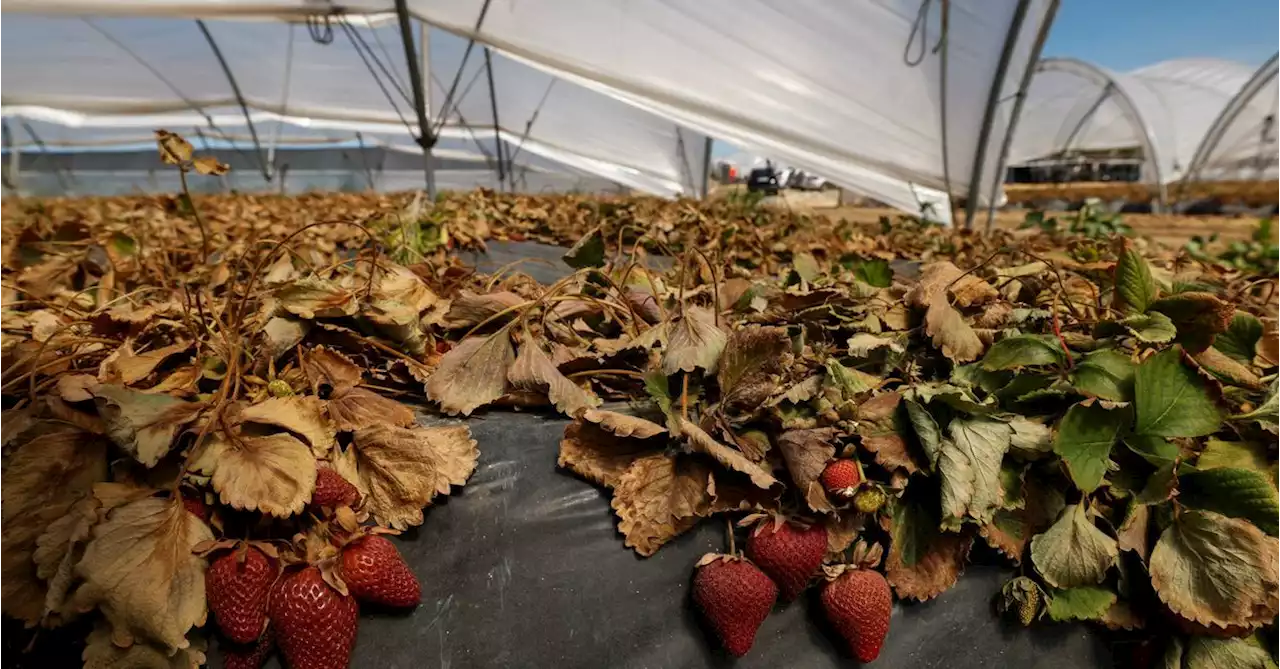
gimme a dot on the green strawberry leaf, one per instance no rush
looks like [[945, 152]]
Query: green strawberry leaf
[[1084, 603], [1073, 552], [1085, 437], [874, 273], [969, 464], [1022, 351], [1172, 400], [1154, 328], [1156, 450], [927, 431], [1236, 454], [1236, 493], [1135, 287], [1106, 374], [1267, 414], [1241, 337]]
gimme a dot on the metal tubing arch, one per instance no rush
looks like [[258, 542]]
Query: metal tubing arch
[[1120, 92], [1213, 137]]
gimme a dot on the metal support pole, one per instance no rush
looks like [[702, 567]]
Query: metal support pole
[[706, 169], [426, 139], [235, 88], [497, 127], [989, 117], [11, 177]]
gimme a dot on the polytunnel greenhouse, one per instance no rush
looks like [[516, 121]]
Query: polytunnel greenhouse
[[627, 96], [1177, 121]]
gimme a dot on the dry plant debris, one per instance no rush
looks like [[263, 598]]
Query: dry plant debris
[[179, 376]]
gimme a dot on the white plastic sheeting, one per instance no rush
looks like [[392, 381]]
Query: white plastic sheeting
[[854, 91], [1241, 144], [849, 90], [1164, 110], [126, 67]]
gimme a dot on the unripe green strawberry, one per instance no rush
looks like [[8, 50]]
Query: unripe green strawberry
[[1029, 607], [869, 500], [858, 604], [279, 388]]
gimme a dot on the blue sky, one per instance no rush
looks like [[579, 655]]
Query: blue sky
[[1126, 34]]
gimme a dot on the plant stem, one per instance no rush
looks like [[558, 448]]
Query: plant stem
[[204, 235]]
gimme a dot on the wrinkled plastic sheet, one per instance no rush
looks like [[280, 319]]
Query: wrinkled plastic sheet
[[524, 567]]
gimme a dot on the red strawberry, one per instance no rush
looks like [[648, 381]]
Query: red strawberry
[[789, 554], [858, 603], [315, 624], [375, 573], [249, 656], [333, 491], [841, 477], [735, 597], [236, 585], [196, 507]]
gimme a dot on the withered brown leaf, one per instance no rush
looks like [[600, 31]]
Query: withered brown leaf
[[101, 653], [143, 425], [695, 342], [324, 366], [939, 278], [472, 374], [951, 334], [469, 309], [126, 367], [660, 497], [933, 572], [359, 408], [399, 471], [139, 569], [807, 453], [623, 425], [58, 550], [533, 371], [882, 426], [312, 297], [274, 473], [749, 369], [598, 455], [701, 442], [299, 414]]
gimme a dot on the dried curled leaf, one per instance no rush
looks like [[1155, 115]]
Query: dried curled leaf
[[598, 455], [883, 428], [940, 278], [695, 343], [951, 334], [399, 471], [533, 371], [701, 442], [209, 166], [139, 569], [660, 497], [469, 310], [58, 550], [753, 360], [360, 408], [143, 425], [274, 474], [312, 297], [623, 425], [807, 453], [923, 562], [472, 374], [299, 414], [329, 371], [126, 367], [101, 653]]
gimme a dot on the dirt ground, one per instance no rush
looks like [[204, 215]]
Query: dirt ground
[[1170, 229]]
